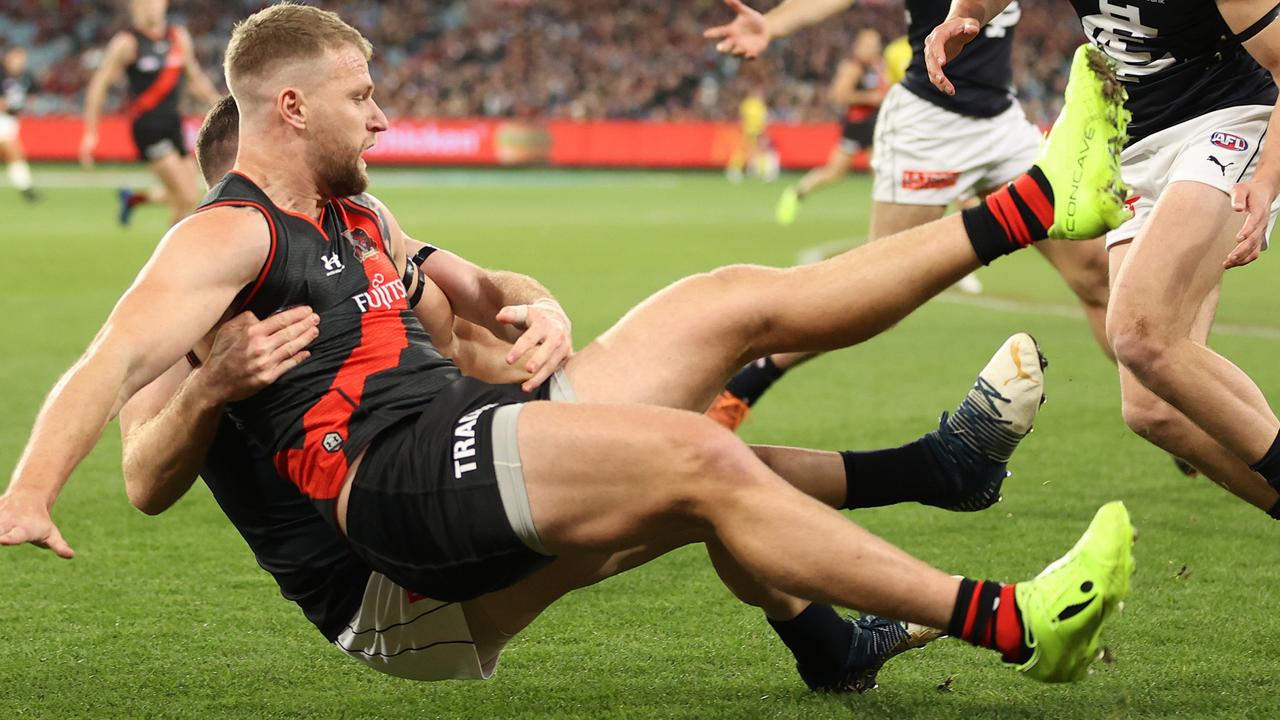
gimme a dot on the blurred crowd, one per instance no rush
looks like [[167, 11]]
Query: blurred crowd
[[643, 59]]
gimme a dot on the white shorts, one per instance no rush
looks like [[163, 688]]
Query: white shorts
[[1218, 149], [411, 636], [8, 127], [925, 155]]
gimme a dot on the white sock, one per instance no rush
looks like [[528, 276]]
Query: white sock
[[20, 174]]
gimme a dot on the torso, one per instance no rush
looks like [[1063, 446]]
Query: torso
[[372, 364], [872, 78], [982, 73], [15, 89], [155, 76], [1177, 60]]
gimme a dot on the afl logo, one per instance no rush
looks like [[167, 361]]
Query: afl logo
[[1229, 142]]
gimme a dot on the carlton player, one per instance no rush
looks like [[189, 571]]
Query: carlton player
[[1201, 82], [932, 150], [16, 85], [157, 58]]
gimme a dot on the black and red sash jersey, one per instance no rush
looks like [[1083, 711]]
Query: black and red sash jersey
[[982, 73], [1178, 60], [872, 79], [155, 76], [372, 363]]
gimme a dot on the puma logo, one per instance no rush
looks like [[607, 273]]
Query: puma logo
[[1019, 373], [1222, 167]]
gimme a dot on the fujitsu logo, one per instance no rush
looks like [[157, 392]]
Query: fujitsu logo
[[382, 294]]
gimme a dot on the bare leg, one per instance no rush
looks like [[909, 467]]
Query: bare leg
[[181, 183], [1172, 267], [1083, 265], [1167, 428], [835, 169]]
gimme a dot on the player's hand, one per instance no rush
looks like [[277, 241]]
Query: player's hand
[[88, 144], [746, 36], [944, 44], [547, 328], [25, 519], [1253, 198], [249, 354]]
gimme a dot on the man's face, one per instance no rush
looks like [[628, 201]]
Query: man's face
[[15, 61], [344, 123], [148, 12]]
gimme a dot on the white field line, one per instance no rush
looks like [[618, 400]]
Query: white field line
[[998, 304]]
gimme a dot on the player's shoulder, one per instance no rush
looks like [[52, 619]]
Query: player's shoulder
[[229, 223]]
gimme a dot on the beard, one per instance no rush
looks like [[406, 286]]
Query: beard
[[337, 168]]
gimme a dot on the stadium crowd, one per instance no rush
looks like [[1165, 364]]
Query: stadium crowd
[[549, 58]]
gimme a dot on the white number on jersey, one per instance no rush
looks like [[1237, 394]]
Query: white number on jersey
[[1119, 32], [1000, 24]]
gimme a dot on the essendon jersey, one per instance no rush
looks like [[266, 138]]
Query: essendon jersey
[[872, 79], [372, 364], [156, 75], [1178, 60], [982, 73]]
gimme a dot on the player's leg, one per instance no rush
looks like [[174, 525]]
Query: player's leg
[[1165, 278], [832, 171], [178, 175], [1167, 428], [11, 153], [673, 474], [1083, 265]]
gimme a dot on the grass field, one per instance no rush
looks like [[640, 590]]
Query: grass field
[[170, 616]]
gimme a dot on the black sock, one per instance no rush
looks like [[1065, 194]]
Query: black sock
[[1274, 512], [753, 380], [986, 614], [1269, 466], [1011, 218], [887, 477], [818, 637]]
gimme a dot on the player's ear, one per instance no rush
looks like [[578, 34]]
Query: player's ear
[[292, 106]]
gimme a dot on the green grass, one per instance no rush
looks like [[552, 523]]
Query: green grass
[[171, 617]]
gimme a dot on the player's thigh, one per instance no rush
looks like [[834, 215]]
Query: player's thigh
[[892, 218], [1175, 262], [606, 478], [1082, 264], [10, 150], [178, 175]]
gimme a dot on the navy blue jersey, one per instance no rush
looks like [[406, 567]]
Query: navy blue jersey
[[14, 91], [1178, 60], [309, 560], [982, 73]]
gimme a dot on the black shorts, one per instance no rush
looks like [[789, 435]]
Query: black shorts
[[857, 135], [425, 509], [156, 137]]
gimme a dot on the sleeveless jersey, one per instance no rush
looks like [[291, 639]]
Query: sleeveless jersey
[[14, 90], [155, 76], [308, 559], [872, 79], [372, 364], [1177, 60], [982, 73]]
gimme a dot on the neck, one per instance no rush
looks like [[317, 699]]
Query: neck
[[152, 28], [287, 181]]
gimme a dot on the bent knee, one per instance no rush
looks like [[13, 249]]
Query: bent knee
[[711, 463], [1138, 345], [1152, 418]]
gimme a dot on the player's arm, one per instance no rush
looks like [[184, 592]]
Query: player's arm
[[198, 81], [1255, 26], [750, 32], [963, 23], [844, 86], [191, 279], [119, 53], [166, 428]]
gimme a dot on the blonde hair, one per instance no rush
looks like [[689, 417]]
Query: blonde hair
[[285, 33]]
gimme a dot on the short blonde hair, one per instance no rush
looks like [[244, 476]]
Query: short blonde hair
[[285, 33]]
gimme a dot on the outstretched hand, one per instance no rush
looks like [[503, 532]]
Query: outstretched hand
[[1253, 198], [747, 35], [25, 519], [547, 333], [249, 354], [944, 44]]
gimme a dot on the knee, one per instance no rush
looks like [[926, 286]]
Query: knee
[[1138, 346], [1149, 417], [711, 464]]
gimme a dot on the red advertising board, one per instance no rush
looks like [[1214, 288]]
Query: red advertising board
[[558, 143]]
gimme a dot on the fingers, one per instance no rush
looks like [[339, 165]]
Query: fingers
[[1239, 198], [517, 315], [526, 342], [737, 6], [55, 543], [715, 33], [14, 536], [546, 361], [285, 318]]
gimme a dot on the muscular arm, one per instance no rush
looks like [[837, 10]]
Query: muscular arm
[[794, 15], [200, 84], [1255, 20], [981, 10], [844, 87], [179, 295]]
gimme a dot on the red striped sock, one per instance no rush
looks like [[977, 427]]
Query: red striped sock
[[1012, 217], [986, 614]]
